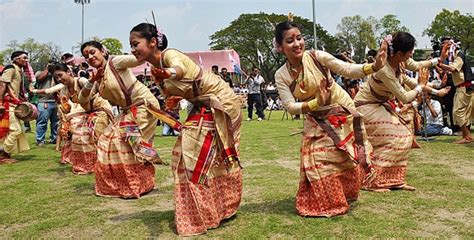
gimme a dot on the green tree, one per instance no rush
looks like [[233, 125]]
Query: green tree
[[113, 45], [39, 53], [389, 24], [250, 32], [455, 24], [358, 33]]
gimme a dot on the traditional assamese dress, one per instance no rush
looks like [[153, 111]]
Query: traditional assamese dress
[[463, 98], [12, 137], [85, 122], [125, 153], [388, 132], [334, 141], [208, 176]]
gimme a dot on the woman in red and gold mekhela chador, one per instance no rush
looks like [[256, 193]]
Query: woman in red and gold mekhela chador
[[388, 132], [334, 148], [207, 173]]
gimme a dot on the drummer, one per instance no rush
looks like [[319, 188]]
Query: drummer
[[12, 136]]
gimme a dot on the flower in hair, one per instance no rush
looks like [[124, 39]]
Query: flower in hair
[[388, 39], [291, 17], [159, 36]]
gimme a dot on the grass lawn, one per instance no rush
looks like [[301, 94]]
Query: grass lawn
[[40, 198]]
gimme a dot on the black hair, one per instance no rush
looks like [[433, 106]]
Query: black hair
[[215, 67], [95, 44], [148, 31], [372, 53], [60, 67], [66, 56], [446, 38], [403, 42], [84, 65], [281, 28], [16, 54]]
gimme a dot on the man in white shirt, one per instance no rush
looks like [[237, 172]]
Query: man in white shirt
[[434, 118], [253, 84]]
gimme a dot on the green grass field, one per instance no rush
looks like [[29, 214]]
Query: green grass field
[[40, 198]]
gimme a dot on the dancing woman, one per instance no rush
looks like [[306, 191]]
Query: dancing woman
[[334, 141], [208, 176], [124, 151], [388, 132], [85, 121]]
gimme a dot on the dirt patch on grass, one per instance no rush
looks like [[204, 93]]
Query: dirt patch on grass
[[446, 223], [291, 164]]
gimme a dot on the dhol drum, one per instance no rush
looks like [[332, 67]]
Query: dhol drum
[[26, 111]]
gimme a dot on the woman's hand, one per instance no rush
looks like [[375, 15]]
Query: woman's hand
[[444, 52], [97, 76], [423, 76], [442, 92], [160, 74], [172, 102], [381, 57], [324, 97]]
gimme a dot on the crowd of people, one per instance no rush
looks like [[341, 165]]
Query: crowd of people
[[355, 136]]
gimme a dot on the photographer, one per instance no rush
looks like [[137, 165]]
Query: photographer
[[46, 106]]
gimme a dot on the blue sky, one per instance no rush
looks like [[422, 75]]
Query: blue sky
[[188, 24]]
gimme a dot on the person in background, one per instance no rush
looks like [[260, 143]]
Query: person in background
[[253, 83], [215, 69], [226, 76], [434, 117], [47, 107]]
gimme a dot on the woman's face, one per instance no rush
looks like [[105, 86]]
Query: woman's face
[[141, 47], [404, 56], [293, 43], [94, 56], [62, 76]]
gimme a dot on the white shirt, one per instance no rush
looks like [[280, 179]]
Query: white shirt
[[437, 108]]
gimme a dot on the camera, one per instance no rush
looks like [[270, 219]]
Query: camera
[[50, 65]]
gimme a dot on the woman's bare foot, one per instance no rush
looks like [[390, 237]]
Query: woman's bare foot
[[379, 190], [406, 187], [463, 141]]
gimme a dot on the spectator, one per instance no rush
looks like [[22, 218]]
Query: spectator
[[434, 118], [83, 70], [47, 107], [253, 82], [215, 69], [226, 76]]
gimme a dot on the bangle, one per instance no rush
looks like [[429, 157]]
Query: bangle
[[414, 104], [34, 91], [172, 72], [313, 104], [419, 88], [434, 91], [368, 69], [89, 85], [434, 61]]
